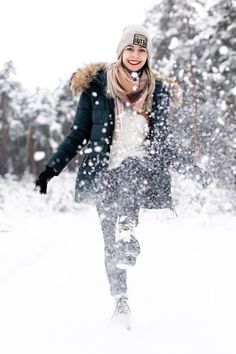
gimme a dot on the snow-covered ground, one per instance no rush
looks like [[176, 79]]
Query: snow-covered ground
[[54, 295]]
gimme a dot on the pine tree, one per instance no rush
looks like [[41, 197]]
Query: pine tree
[[219, 59], [195, 44], [65, 113], [10, 90], [39, 113], [174, 25]]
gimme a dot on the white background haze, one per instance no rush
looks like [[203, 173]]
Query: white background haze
[[49, 40]]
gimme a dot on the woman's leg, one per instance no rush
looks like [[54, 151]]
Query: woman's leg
[[132, 183], [107, 212], [131, 187], [116, 277]]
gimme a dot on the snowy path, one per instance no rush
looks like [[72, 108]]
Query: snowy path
[[54, 295]]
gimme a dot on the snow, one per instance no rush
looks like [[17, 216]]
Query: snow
[[54, 295], [39, 155], [174, 43], [223, 50], [233, 90]]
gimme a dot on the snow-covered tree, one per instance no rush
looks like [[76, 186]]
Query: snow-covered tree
[[194, 44], [10, 92], [219, 60], [65, 112]]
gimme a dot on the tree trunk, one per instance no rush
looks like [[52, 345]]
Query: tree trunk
[[4, 163], [192, 80], [30, 163]]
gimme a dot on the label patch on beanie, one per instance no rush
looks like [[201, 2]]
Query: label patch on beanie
[[140, 39]]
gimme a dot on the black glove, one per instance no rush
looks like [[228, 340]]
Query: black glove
[[44, 178]]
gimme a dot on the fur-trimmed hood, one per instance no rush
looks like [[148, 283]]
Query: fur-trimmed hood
[[82, 78]]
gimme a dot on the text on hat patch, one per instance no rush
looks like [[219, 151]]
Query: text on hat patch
[[141, 40]]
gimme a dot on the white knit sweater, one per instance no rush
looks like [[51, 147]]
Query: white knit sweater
[[130, 139]]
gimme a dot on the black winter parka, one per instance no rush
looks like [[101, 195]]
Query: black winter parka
[[92, 130]]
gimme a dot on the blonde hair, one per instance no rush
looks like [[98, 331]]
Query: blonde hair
[[113, 87]]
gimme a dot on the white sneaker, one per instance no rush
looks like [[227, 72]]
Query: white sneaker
[[121, 316]]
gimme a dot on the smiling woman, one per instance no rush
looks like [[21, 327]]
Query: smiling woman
[[122, 126]]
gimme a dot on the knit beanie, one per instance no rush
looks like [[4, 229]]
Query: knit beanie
[[134, 34]]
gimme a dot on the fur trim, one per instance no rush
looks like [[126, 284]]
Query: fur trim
[[82, 78]]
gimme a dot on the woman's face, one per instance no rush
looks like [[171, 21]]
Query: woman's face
[[134, 57]]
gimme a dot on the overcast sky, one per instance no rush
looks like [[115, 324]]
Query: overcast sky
[[47, 40]]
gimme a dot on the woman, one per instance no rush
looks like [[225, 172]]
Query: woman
[[121, 126]]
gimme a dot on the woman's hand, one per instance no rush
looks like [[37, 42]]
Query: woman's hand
[[44, 178]]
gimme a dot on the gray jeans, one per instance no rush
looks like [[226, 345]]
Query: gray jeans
[[120, 192]]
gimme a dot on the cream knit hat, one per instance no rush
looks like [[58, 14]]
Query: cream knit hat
[[134, 34]]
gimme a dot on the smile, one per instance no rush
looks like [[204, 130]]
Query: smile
[[133, 62]]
